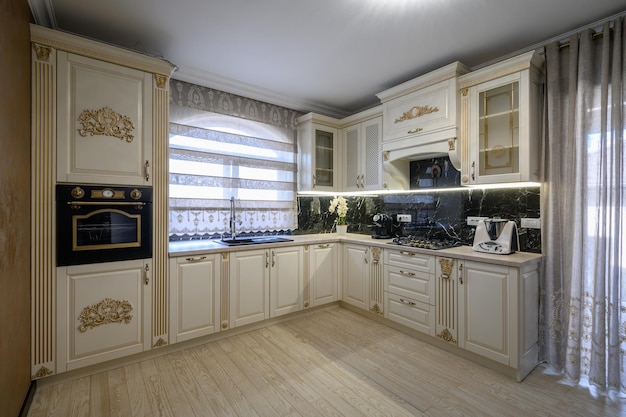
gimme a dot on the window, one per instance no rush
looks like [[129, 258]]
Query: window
[[214, 157]]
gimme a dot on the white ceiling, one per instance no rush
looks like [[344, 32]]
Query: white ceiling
[[328, 56]]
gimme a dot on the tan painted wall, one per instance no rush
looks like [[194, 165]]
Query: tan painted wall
[[14, 205]]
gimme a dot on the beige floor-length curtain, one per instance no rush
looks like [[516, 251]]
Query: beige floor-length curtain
[[583, 302]]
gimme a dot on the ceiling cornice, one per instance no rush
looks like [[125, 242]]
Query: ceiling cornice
[[43, 13]]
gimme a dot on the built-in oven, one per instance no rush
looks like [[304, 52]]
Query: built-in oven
[[103, 223]]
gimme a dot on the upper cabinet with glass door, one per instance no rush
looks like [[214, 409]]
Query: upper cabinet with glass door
[[501, 121], [318, 153]]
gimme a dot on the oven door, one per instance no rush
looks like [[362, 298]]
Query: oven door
[[92, 232]]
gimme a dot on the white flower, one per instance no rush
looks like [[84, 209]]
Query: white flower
[[339, 205]]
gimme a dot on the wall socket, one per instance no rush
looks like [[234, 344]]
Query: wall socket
[[473, 220], [530, 223], [404, 218]]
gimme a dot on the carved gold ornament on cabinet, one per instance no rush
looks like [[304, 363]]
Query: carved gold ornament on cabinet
[[415, 112], [106, 122], [447, 336], [105, 312]]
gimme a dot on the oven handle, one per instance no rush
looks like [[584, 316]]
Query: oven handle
[[78, 204]]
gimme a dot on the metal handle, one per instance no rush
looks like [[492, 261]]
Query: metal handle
[[365, 256], [409, 274], [460, 273], [267, 259], [473, 170], [314, 181], [326, 245], [273, 257], [406, 253], [357, 181], [147, 170], [198, 259], [416, 130], [146, 274], [411, 303]]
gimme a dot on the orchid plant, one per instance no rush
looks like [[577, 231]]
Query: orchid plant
[[340, 206]]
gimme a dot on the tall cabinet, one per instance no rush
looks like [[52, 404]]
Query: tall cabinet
[[99, 116], [362, 140]]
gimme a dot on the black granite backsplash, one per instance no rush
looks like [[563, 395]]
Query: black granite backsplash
[[446, 210]]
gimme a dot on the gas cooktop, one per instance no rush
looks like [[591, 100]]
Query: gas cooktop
[[423, 242]]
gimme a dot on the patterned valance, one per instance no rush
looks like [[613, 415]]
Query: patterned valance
[[203, 98]]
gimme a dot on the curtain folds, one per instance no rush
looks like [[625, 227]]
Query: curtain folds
[[583, 299]]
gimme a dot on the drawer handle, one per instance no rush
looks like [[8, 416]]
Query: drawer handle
[[416, 130], [198, 259], [409, 274], [407, 253], [411, 303], [327, 245]]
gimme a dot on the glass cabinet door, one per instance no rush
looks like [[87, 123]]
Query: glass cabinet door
[[498, 130], [324, 158]]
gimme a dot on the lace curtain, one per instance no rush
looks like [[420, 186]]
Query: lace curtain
[[583, 297]]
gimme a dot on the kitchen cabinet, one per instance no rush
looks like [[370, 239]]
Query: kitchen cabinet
[[319, 153], [104, 122], [323, 274], [446, 316], [249, 286], [356, 275], [410, 289], [286, 280], [499, 313], [194, 296], [103, 312], [265, 283], [420, 116], [363, 157], [109, 94], [501, 121]]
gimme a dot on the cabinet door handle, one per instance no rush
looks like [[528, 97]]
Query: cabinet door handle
[[196, 259], [461, 274], [407, 253], [273, 257], [408, 274], [267, 259], [473, 170], [314, 181], [146, 274], [146, 167], [411, 303], [416, 130], [324, 246], [365, 256]]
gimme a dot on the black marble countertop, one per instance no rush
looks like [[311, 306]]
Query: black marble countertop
[[203, 247]]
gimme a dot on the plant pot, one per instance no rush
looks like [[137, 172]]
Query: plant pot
[[342, 229]]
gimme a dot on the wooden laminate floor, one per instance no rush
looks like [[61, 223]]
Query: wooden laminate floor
[[332, 362]]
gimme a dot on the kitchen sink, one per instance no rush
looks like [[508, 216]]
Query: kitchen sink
[[257, 240]]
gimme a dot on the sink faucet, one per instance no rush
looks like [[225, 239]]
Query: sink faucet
[[233, 232]]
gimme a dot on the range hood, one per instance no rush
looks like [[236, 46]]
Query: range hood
[[420, 119]]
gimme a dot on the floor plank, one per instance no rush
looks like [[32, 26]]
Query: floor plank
[[330, 362]]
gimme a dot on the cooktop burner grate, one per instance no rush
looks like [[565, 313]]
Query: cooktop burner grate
[[424, 243]]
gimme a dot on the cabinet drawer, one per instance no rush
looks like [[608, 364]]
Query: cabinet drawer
[[411, 313], [420, 112], [411, 260], [411, 283]]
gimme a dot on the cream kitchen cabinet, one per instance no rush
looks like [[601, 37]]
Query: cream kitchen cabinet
[[104, 122], [446, 290], [499, 313], [286, 280], [265, 283], [501, 121], [410, 289], [103, 312], [363, 155], [356, 275], [420, 115], [323, 274], [194, 296], [319, 153]]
